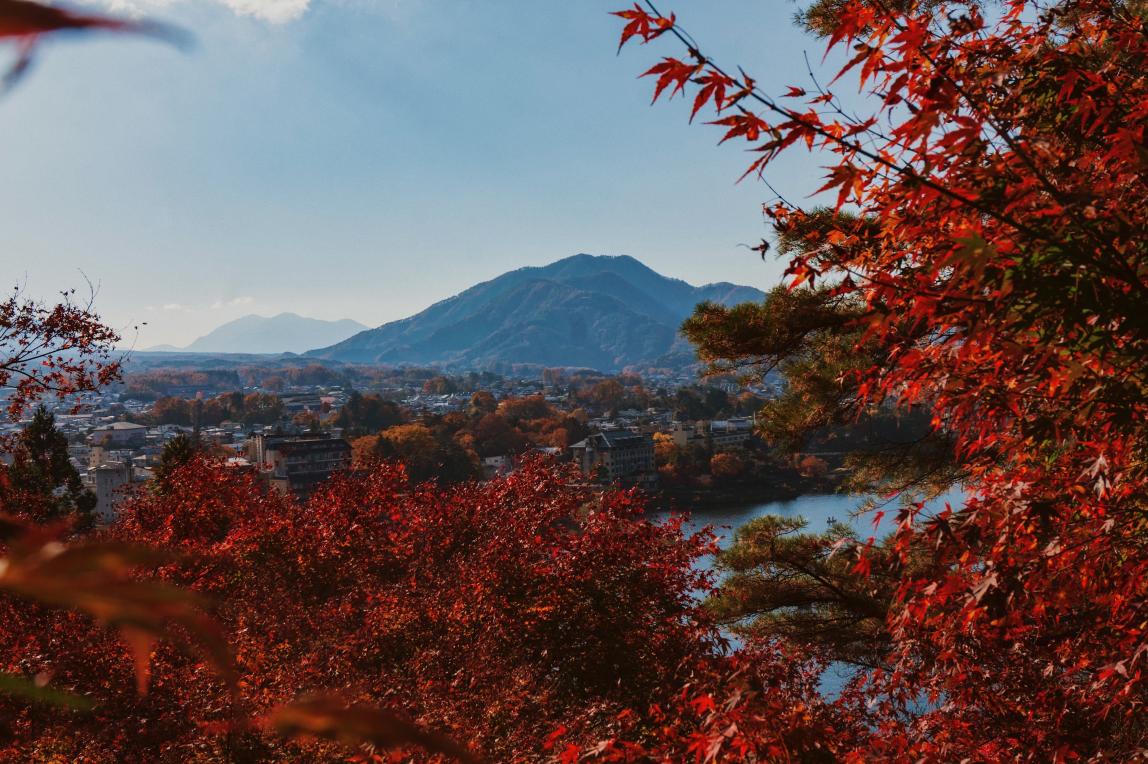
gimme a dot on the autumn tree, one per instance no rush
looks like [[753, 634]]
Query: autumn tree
[[516, 410], [501, 612], [365, 414], [273, 382], [171, 410], [663, 447], [427, 456], [726, 465], [607, 394], [494, 436], [313, 374], [565, 430], [482, 402], [440, 385], [64, 351], [55, 350], [994, 258], [262, 408]]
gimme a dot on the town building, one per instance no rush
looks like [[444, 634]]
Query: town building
[[497, 466], [98, 455], [109, 482], [297, 463], [119, 435], [718, 434], [617, 456], [79, 454]]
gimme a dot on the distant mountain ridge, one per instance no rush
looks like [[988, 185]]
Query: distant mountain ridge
[[599, 312], [283, 333]]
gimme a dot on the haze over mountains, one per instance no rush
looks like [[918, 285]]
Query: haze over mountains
[[598, 312], [284, 333]]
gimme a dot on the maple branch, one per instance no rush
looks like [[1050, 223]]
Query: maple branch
[[1002, 132], [904, 170], [833, 101]]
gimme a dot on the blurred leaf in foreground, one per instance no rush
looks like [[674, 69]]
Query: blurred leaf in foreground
[[35, 690], [25, 21], [96, 578], [333, 718]]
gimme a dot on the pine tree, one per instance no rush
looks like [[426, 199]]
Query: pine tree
[[176, 453], [41, 479]]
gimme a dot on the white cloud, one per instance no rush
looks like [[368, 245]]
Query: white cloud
[[233, 302], [179, 307], [271, 11]]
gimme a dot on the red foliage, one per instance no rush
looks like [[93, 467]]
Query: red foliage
[[495, 612], [1000, 246], [52, 350], [760, 704]]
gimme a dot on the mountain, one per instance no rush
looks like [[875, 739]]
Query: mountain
[[284, 333], [590, 311]]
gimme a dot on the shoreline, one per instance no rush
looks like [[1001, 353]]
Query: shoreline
[[702, 499]]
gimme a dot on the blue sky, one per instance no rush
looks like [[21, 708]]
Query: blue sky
[[365, 158]]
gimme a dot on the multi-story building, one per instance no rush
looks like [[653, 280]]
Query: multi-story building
[[108, 481], [299, 402], [79, 454], [119, 435], [617, 457], [719, 434], [297, 463], [98, 455], [730, 433]]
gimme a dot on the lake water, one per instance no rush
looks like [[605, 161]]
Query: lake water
[[818, 511]]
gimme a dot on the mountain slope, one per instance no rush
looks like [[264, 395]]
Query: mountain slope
[[284, 333], [599, 312]]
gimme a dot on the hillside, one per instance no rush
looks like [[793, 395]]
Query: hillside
[[284, 333], [584, 311]]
